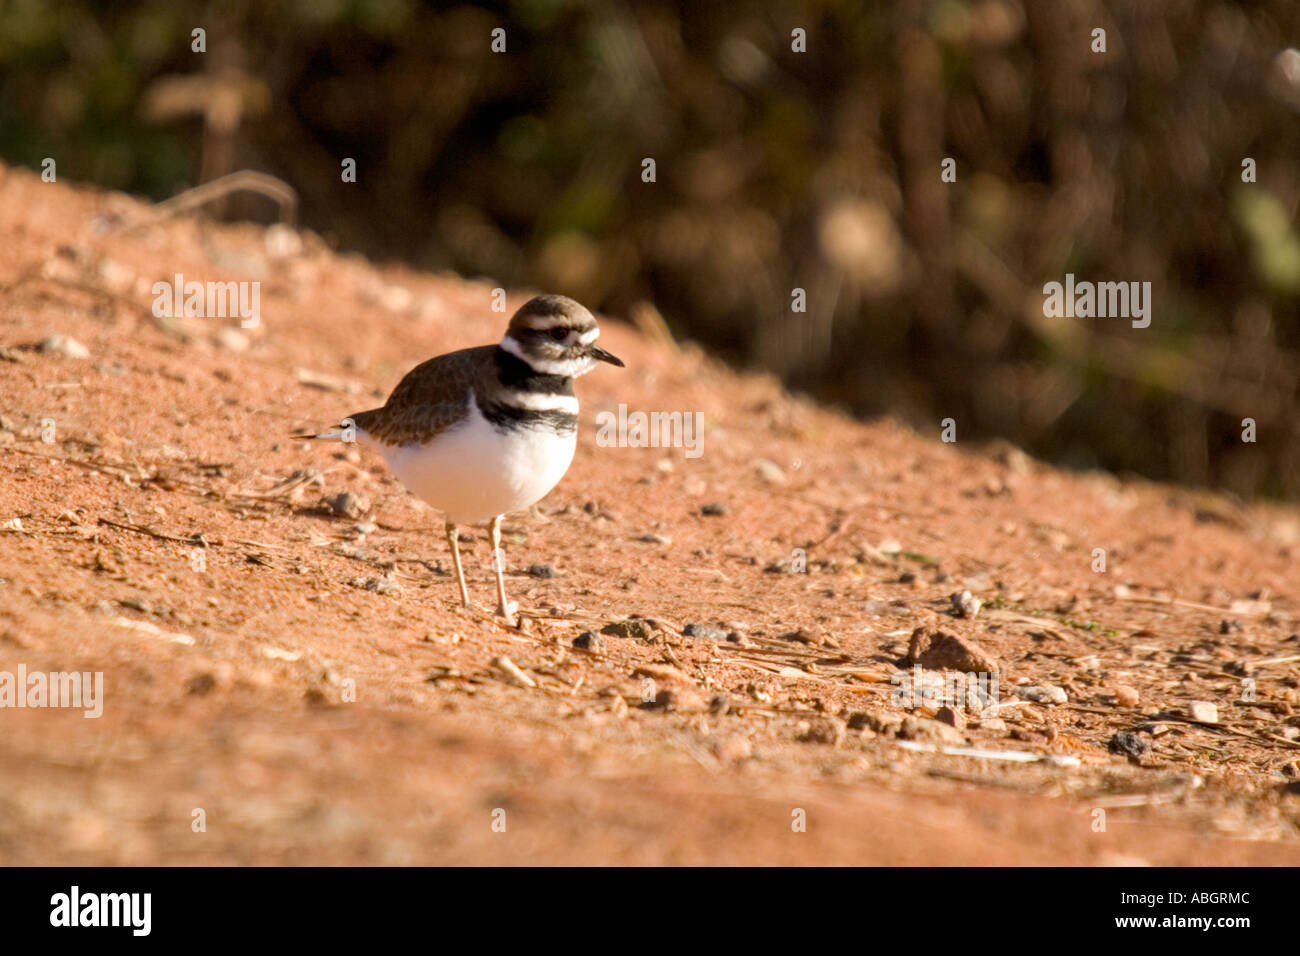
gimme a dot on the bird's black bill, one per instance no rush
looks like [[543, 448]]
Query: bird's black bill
[[599, 353]]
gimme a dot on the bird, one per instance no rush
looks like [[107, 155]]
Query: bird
[[481, 432]]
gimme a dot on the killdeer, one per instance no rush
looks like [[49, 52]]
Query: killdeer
[[485, 431]]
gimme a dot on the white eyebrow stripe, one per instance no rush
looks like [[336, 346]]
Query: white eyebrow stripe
[[586, 338], [569, 368]]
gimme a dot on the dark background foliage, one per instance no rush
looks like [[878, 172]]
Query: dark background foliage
[[775, 170]]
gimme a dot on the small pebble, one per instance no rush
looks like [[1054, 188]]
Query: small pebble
[[201, 684], [541, 570], [347, 504], [64, 345], [706, 631], [920, 728], [733, 749], [1126, 696], [941, 651], [1127, 743], [633, 627], [232, 340], [965, 604], [1027, 736], [952, 717], [1203, 712], [1043, 695], [589, 642], [676, 698], [714, 510]]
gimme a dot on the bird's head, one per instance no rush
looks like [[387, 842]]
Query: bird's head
[[555, 335]]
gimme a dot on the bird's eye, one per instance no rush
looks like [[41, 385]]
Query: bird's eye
[[559, 333]]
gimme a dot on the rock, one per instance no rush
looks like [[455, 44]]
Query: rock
[[201, 684], [1027, 736], [870, 720], [282, 241], [232, 340], [541, 571], [588, 641], [965, 604], [1046, 694], [993, 724], [769, 471], [675, 698], [952, 717], [1128, 744], [395, 298], [633, 627], [1203, 712], [714, 510], [720, 704], [733, 749], [930, 731], [706, 631], [661, 674], [64, 345], [1126, 696], [942, 651], [800, 637], [347, 505], [827, 730]]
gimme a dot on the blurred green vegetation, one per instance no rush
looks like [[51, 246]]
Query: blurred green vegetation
[[776, 170]]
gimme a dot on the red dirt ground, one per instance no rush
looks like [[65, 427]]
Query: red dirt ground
[[309, 683]]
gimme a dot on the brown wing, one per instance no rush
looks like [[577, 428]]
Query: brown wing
[[428, 400]]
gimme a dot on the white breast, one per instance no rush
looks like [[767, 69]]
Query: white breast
[[474, 472]]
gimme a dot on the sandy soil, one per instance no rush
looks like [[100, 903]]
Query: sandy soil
[[286, 684]]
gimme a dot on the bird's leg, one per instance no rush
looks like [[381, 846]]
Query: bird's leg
[[504, 607], [453, 539]]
